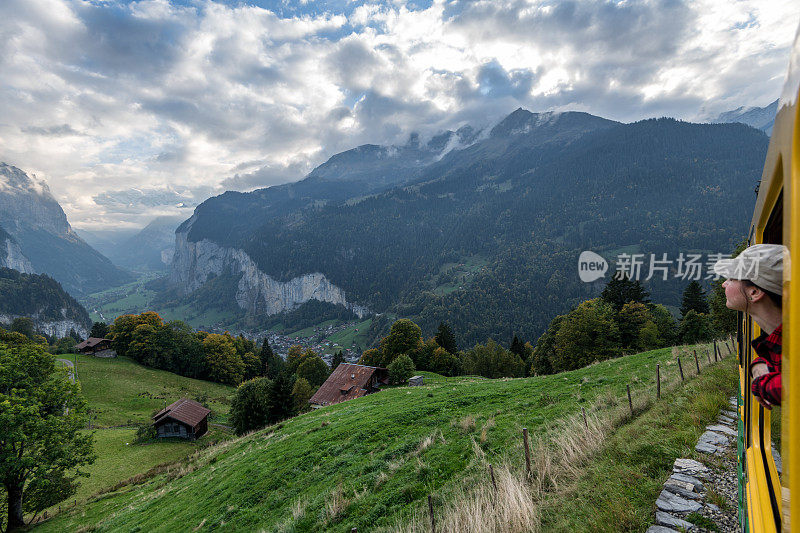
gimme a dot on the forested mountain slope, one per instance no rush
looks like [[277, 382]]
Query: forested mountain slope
[[522, 203], [41, 298]]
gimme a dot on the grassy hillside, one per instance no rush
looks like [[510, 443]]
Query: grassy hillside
[[371, 462], [123, 392]]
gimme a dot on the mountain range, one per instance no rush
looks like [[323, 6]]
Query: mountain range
[[478, 228]]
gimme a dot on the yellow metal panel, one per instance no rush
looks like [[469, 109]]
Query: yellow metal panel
[[790, 424]]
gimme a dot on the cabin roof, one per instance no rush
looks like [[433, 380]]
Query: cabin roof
[[184, 410], [348, 381], [91, 342]]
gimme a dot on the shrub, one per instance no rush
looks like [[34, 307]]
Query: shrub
[[145, 433], [401, 369]]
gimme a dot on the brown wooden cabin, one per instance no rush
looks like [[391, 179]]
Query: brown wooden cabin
[[349, 381], [93, 345], [185, 418]]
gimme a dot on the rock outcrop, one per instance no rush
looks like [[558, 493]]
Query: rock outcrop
[[54, 328], [11, 256], [194, 263]]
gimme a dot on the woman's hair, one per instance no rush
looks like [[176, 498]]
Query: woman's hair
[[777, 299]]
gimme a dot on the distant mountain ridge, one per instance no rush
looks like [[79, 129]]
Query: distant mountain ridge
[[148, 249], [762, 118], [35, 220], [523, 199]]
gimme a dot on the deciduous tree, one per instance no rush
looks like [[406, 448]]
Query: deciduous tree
[[42, 448], [401, 369], [587, 334], [404, 337], [302, 392], [251, 405], [224, 364], [314, 370]]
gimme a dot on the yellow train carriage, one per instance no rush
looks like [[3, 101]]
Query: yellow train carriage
[[765, 502]]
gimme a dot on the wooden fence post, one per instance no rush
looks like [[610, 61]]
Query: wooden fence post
[[696, 362], [630, 401], [527, 451], [430, 510], [658, 380], [708, 355], [491, 472], [680, 367], [585, 422]]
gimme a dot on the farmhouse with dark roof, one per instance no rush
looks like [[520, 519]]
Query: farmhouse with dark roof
[[184, 418], [349, 381]]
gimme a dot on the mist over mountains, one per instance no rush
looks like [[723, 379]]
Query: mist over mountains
[[392, 229], [38, 225]]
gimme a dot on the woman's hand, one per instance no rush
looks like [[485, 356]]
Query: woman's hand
[[759, 369]]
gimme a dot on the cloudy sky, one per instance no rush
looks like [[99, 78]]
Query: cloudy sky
[[131, 109]]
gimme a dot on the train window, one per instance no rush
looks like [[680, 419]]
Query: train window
[[773, 231]]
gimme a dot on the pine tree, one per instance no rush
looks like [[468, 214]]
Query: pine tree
[[517, 347], [99, 330], [619, 291], [271, 363], [282, 399], [446, 339], [694, 299], [338, 359]]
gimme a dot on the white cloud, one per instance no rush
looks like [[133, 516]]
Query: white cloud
[[151, 96]]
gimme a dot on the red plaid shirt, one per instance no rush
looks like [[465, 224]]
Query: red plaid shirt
[[768, 348]]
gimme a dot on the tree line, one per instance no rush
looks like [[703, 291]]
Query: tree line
[[621, 320]]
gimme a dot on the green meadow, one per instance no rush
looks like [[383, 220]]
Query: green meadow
[[122, 392], [370, 463]]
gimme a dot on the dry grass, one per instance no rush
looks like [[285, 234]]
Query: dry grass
[[511, 509], [467, 424], [489, 424], [381, 478], [514, 506], [556, 462], [428, 441], [335, 504], [298, 508]]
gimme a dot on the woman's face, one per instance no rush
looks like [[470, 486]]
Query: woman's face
[[734, 294]]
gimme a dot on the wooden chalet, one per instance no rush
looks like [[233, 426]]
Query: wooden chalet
[[349, 381], [185, 418], [93, 345]]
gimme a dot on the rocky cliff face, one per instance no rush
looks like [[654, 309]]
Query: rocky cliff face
[[54, 328], [11, 256], [194, 263]]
